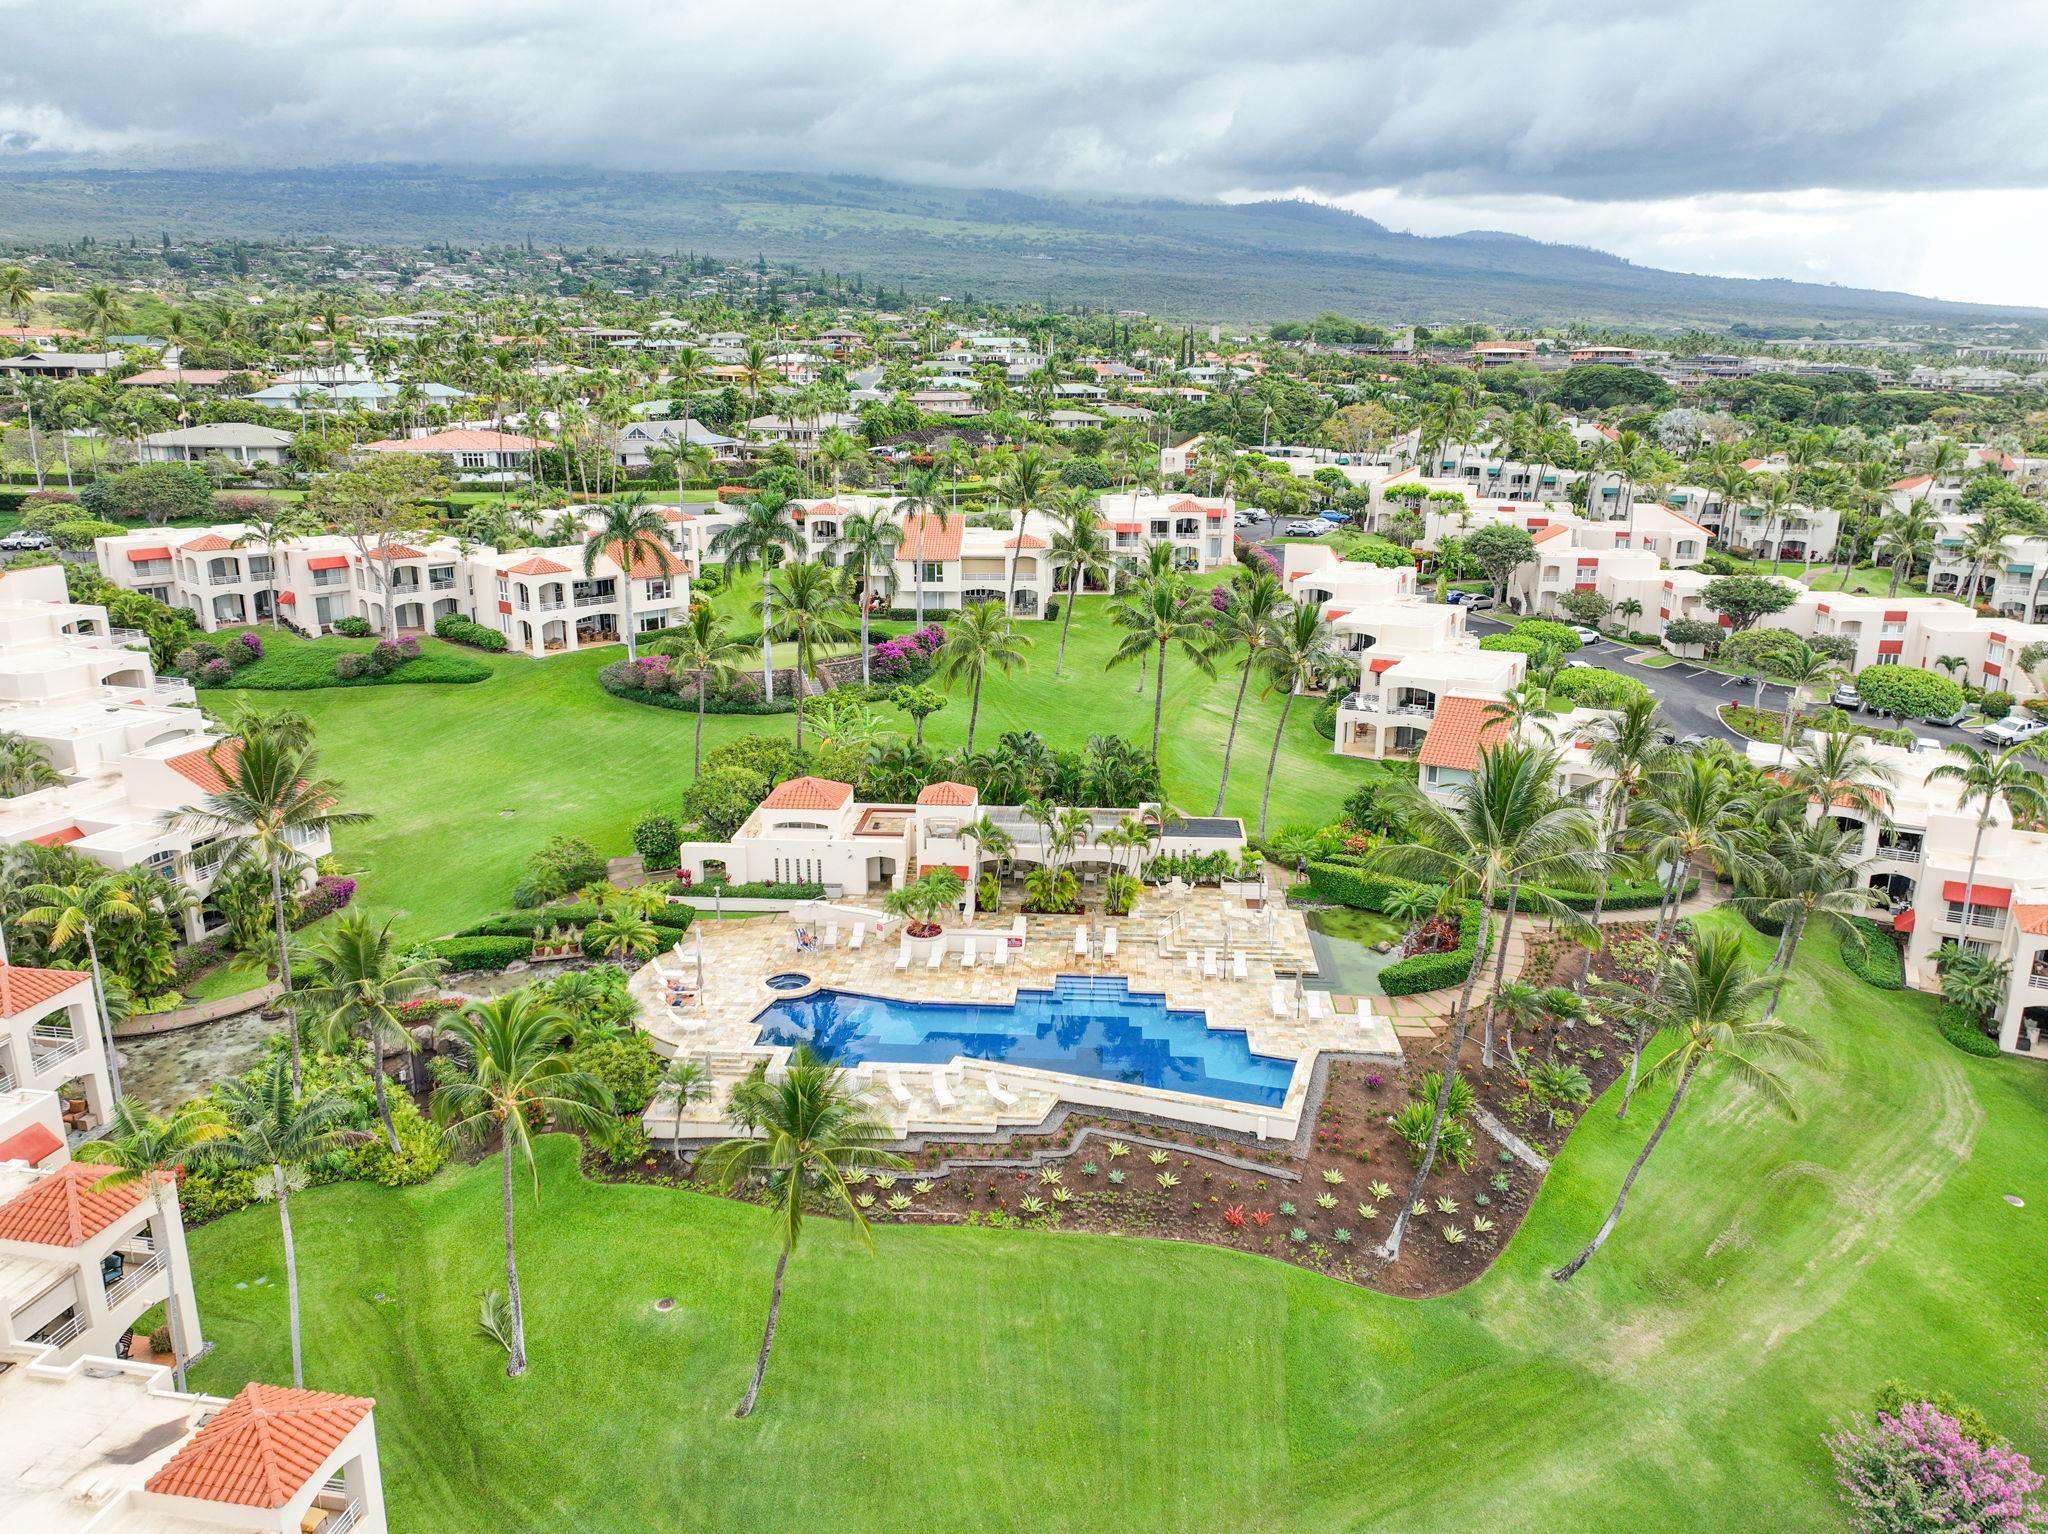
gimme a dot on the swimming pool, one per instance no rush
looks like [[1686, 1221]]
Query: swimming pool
[[1086, 1025]]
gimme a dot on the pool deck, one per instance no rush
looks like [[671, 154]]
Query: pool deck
[[717, 1025]]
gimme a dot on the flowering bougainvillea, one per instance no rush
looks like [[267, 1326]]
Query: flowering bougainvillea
[[1916, 1470]]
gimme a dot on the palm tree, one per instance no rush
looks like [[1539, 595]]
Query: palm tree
[[358, 981], [272, 1132], [100, 309], [269, 803], [17, 292], [24, 767], [982, 637], [1984, 544], [1986, 779], [634, 536], [1804, 671], [1298, 651], [507, 1071], [1023, 484], [871, 544], [270, 521], [1625, 745], [812, 608], [1507, 825], [1816, 871], [1155, 617], [1907, 538], [702, 644], [82, 911], [1257, 603], [683, 1082], [1708, 996], [813, 1128], [143, 1146], [761, 536], [1081, 549], [622, 933], [1838, 768]]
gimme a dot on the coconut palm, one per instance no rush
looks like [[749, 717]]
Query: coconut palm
[[17, 292], [1839, 768], [633, 536], [1081, 549], [621, 933], [270, 803], [981, 639], [1300, 649], [1984, 545], [923, 512], [271, 1131], [1906, 538], [141, 1146], [1023, 483], [1708, 997], [1625, 745], [356, 980], [1814, 872], [871, 544], [24, 766], [1157, 616], [1805, 671], [811, 609], [683, 1081], [812, 1128], [926, 898], [1988, 779], [762, 536], [266, 524], [506, 1072], [1506, 829], [702, 645], [1257, 602], [81, 912]]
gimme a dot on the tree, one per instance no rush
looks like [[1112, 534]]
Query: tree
[[982, 638], [1988, 779], [507, 1073], [1081, 549], [811, 609], [871, 544], [1708, 996], [271, 1131], [1156, 616], [358, 981], [141, 1146], [1687, 632], [702, 646], [923, 513], [1626, 745], [1907, 691], [84, 910], [1906, 537], [24, 766], [1814, 872], [1506, 826], [377, 505], [1743, 599], [1257, 602], [267, 522], [1500, 548], [1804, 671], [1023, 484], [158, 493], [813, 1127], [1587, 607], [1299, 649], [622, 933], [925, 899], [920, 703], [634, 537], [269, 804], [762, 536]]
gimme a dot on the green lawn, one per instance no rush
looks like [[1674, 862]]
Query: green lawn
[[466, 781], [1767, 1277]]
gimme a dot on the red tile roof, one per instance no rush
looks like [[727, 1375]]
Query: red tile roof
[[1460, 734], [23, 990], [397, 551], [261, 1448], [809, 794], [1027, 541], [940, 543], [1548, 533], [1911, 482], [203, 767], [137, 556], [646, 568], [2032, 919], [538, 565], [67, 1208], [210, 543], [947, 792], [458, 440], [33, 1145]]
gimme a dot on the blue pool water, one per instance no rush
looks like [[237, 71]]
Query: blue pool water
[[1086, 1025]]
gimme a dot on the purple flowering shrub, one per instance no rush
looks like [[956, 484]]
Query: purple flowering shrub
[[907, 658], [1917, 1470], [1219, 599], [246, 647], [216, 673]]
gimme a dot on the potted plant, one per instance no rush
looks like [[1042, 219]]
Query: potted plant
[[924, 900]]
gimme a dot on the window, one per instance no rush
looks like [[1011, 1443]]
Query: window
[[934, 570], [824, 532], [470, 460], [658, 591]]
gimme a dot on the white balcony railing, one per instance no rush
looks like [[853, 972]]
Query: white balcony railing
[[1898, 854], [224, 580], [49, 1046], [57, 1336], [6, 1081], [1990, 921], [134, 1277], [2038, 980], [342, 1521]]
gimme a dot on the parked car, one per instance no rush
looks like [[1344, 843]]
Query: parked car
[[1477, 602], [1846, 696], [1587, 635], [1307, 529], [1925, 744], [22, 541], [2011, 730], [1950, 720]]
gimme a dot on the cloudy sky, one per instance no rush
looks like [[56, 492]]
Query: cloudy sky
[[1870, 142]]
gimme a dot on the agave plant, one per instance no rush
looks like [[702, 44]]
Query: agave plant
[[858, 1175], [1420, 1209], [1481, 1224], [1333, 1177], [1286, 1208], [1115, 1177], [1453, 1234], [1088, 1169], [1326, 1201], [865, 1200], [1341, 1236], [1049, 1176], [1297, 1235], [1031, 1203], [885, 1181], [899, 1201], [1445, 1204], [921, 1186], [1062, 1195], [1368, 1211], [1157, 1158], [1379, 1189], [1167, 1180], [1117, 1148]]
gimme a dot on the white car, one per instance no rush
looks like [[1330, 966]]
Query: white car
[[2011, 730], [1307, 529], [1587, 635]]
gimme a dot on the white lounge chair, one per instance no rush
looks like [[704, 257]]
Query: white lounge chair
[[967, 953], [897, 1089], [1318, 1003], [1001, 957], [1209, 970], [860, 935], [941, 1093], [995, 1090], [1279, 999], [903, 955], [1238, 971], [938, 956], [1080, 942], [1194, 962], [831, 934], [1109, 942]]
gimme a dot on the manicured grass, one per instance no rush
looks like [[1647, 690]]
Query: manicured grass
[[1766, 1277], [465, 782], [291, 662]]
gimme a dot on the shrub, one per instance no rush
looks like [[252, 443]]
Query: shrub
[[1963, 1031], [1876, 960], [460, 630], [758, 889], [672, 918], [1917, 1470], [79, 532], [422, 1150], [1907, 691], [1687, 632], [460, 953], [216, 673], [1454, 1140], [1996, 705], [562, 865], [1622, 895], [658, 840], [627, 1066], [352, 628], [1349, 886], [208, 1192], [351, 666], [1893, 1396], [157, 493]]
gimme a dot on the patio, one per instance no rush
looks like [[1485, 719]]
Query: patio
[[1161, 948]]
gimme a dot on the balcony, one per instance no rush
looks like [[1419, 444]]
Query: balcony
[[48, 1046], [2038, 980], [549, 607], [324, 580], [1898, 852], [1992, 920], [133, 1277], [7, 1082], [441, 583], [224, 580], [596, 601], [60, 1333]]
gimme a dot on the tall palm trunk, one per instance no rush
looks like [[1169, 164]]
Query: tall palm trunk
[[1016, 553], [1976, 847], [864, 677], [1158, 701], [746, 1406], [284, 966], [697, 748], [291, 1274], [383, 1101], [35, 447], [974, 713], [1500, 969], [99, 998], [767, 648], [1564, 1274], [1461, 1021], [172, 1312], [1230, 741], [1067, 618], [516, 1364], [1672, 897], [626, 587], [1788, 950], [1273, 760]]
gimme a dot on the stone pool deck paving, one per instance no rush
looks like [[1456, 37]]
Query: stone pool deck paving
[[718, 1026]]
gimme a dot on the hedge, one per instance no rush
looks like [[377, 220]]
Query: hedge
[[1621, 896], [1425, 971], [459, 630], [461, 953], [526, 923], [1877, 962], [781, 705], [1963, 1031], [760, 889]]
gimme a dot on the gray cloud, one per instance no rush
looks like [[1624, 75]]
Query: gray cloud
[[1594, 101]]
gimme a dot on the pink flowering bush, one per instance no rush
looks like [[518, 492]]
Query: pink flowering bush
[[1219, 598], [1916, 1470], [908, 658]]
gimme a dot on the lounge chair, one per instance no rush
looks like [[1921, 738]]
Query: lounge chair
[[1279, 999], [903, 955], [967, 953], [860, 935], [831, 934], [938, 956], [1001, 957], [995, 1090], [1209, 970], [1109, 942], [1080, 942], [897, 1089], [1238, 971], [1194, 962], [941, 1093], [1318, 1003]]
